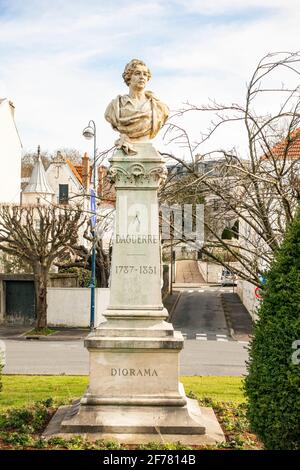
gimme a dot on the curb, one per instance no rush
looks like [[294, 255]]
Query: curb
[[39, 338], [174, 306], [53, 338]]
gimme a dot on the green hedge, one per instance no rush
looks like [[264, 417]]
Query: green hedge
[[1, 367], [273, 383]]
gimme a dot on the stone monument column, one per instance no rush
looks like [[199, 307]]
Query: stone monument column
[[134, 393], [136, 244], [138, 363]]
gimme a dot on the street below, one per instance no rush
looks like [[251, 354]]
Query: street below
[[198, 314], [71, 358], [199, 311]]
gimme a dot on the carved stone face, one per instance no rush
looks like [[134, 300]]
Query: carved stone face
[[139, 77]]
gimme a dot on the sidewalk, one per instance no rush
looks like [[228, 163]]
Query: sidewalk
[[61, 334], [238, 319]]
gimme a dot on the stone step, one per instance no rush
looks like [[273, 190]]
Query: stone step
[[133, 342], [133, 332]]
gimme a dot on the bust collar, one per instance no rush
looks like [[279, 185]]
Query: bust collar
[[126, 98]]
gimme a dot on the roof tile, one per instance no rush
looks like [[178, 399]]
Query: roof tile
[[288, 148]]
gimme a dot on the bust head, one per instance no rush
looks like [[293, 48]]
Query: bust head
[[139, 115], [131, 67]]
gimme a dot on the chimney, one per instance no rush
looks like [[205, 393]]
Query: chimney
[[86, 172], [102, 171]]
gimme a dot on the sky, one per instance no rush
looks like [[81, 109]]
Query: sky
[[61, 61]]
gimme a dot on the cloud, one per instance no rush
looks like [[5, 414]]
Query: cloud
[[223, 7], [61, 61]]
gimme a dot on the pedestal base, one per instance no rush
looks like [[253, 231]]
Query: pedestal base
[[190, 425], [134, 395]]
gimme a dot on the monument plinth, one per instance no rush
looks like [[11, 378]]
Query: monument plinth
[[136, 351], [134, 394]]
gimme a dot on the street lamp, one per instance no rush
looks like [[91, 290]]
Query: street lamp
[[89, 133]]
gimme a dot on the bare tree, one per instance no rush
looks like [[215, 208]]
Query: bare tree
[[38, 235], [80, 255], [82, 258], [73, 155], [259, 188]]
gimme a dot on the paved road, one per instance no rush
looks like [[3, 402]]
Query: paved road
[[199, 312], [71, 358], [213, 358]]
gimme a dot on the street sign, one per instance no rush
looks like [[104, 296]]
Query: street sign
[[258, 293]]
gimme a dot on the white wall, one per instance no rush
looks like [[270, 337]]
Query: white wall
[[60, 173], [10, 156], [36, 198], [211, 272], [246, 292], [71, 306]]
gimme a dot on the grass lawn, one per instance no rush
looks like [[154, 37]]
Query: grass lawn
[[22, 421], [227, 389], [20, 390], [39, 332]]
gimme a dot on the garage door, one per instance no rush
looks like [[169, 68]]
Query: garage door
[[20, 301]]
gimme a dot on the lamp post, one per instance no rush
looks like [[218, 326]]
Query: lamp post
[[89, 133]]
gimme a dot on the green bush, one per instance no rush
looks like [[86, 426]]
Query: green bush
[[273, 383], [84, 275], [26, 420]]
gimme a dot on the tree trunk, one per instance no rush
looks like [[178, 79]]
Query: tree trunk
[[102, 266], [101, 276], [40, 284]]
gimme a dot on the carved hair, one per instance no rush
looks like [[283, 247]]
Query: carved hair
[[130, 68]]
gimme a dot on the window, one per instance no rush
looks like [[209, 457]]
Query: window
[[63, 194], [215, 205]]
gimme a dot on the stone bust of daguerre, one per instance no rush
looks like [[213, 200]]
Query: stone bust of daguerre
[[139, 115]]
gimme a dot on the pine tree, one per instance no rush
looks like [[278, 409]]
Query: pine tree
[[273, 382]]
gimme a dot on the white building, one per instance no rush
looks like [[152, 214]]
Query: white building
[[69, 186], [38, 190], [282, 163], [59, 184], [10, 154], [64, 183]]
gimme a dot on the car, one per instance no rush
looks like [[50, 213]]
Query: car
[[227, 278]]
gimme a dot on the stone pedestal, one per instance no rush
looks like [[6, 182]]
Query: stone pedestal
[[134, 394]]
